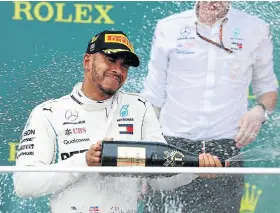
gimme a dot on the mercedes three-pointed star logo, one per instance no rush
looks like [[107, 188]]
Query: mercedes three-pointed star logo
[[185, 31], [71, 115]]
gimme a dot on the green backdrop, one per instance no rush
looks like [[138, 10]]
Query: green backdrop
[[42, 44]]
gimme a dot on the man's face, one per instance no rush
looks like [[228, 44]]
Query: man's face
[[107, 73]]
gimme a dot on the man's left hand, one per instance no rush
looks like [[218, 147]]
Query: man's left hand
[[249, 126], [208, 160]]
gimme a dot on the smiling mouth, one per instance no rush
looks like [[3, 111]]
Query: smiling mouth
[[115, 78]]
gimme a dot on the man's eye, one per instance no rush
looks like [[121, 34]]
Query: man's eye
[[125, 66], [111, 60]]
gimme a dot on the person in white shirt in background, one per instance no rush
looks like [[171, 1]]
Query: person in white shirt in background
[[201, 65]]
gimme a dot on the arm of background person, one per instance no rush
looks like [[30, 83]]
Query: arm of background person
[[155, 82], [264, 82], [38, 148], [264, 85]]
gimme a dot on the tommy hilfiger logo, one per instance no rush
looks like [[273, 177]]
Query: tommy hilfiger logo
[[126, 129], [94, 209]]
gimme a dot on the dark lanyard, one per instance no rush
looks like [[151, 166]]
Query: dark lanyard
[[221, 44]]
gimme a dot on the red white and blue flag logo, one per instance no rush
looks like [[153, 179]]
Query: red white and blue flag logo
[[94, 209], [126, 129]]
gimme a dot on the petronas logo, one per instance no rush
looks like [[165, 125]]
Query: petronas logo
[[250, 198]]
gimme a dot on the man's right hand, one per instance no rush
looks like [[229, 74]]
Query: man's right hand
[[93, 155]]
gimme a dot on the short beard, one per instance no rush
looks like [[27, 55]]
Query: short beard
[[107, 92], [95, 77]]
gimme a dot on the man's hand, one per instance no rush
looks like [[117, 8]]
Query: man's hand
[[208, 160], [249, 125], [93, 155]]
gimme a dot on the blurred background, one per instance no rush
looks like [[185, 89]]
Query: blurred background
[[42, 45]]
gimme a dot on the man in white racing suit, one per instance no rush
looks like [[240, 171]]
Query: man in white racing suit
[[67, 132]]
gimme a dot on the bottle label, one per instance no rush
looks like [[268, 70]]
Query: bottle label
[[131, 156]]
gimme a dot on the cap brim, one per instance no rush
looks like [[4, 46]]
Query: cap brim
[[130, 56]]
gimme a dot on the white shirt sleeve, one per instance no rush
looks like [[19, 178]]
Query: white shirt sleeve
[[157, 111], [155, 82], [151, 129], [264, 79], [152, 132], [38, 148]]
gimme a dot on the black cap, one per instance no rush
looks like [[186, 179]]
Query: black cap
[[113, 43]]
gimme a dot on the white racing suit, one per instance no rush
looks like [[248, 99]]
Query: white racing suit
[[58, 134]]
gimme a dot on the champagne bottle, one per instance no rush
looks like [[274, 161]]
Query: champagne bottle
[[145, 154]]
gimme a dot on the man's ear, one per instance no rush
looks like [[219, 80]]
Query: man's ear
[[87, 61]]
